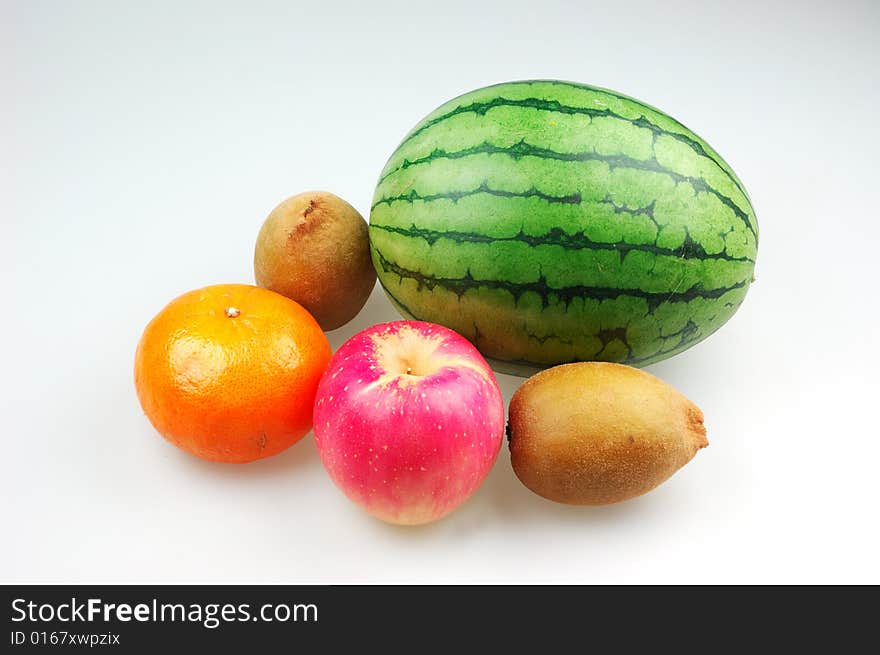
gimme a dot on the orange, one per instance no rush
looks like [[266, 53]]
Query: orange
[[229, 372]]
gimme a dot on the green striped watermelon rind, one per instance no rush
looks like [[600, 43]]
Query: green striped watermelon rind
[[641, 177]]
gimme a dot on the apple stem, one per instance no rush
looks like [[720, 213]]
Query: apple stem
[[409, 370]]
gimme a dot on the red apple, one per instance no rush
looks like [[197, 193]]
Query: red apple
[[408, 420]]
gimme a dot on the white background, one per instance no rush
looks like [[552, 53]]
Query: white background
[[142, 146]]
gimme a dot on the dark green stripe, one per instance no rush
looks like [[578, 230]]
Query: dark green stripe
[[689, 335], [481, 108], [459, 286], [608, 335], [690, 249], [682, 344], [523, 149], [694, 144], [403, 308], [455, 196]]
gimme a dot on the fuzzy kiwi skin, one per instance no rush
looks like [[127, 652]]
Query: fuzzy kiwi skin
[[596, 433], [315, 249]]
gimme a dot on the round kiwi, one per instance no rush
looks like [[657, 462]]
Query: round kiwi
[[314, 248]]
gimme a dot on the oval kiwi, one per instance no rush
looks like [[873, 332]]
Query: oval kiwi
[[595, 433]]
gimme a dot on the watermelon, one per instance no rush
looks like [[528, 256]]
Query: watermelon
[[553, 222]]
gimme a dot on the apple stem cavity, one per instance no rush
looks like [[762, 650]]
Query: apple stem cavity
[[232, 312], [406, 355]]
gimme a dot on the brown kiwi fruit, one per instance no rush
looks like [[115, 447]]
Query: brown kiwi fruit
[[314, 248], [595, 433]]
